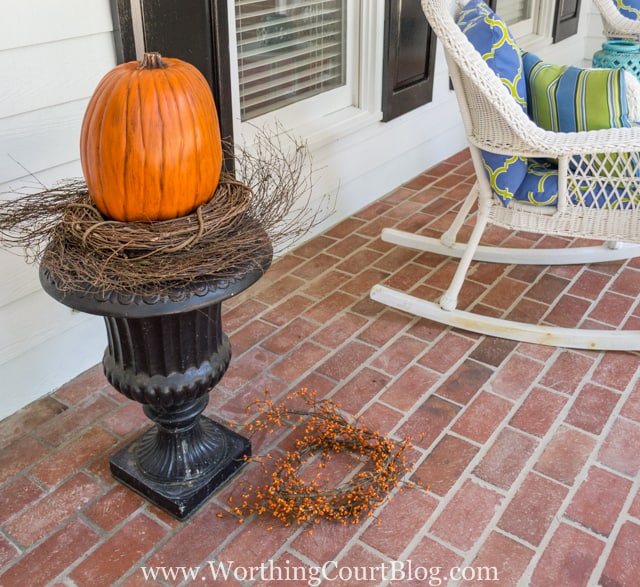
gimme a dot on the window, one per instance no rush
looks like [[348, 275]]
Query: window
[[290, 51], [519, 15], [556, 19], [514, 11]]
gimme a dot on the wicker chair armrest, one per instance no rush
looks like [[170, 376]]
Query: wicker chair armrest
[[610, 140], [543, 143], [519, 135]]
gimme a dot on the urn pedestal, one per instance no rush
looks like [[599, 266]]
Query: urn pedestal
[[167, 352]]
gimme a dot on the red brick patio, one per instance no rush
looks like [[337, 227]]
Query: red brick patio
[[532, 453]]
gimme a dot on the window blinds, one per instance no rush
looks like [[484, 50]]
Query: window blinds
[[288, 50]]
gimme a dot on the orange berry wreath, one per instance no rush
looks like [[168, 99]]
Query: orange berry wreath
[[298, 492]]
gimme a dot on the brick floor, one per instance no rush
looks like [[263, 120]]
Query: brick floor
[[531, 453]]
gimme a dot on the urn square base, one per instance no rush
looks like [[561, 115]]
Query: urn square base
[[183, 497]]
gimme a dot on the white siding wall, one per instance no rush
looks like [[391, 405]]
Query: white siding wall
[[593, 35], [52, 54]]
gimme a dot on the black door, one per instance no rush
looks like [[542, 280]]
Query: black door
[[192, 30]]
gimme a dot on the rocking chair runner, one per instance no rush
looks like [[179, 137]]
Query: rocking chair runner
[[598, 193], [620, 23]]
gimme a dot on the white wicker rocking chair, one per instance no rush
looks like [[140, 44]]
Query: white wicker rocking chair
[[494, 122], [616, 25]]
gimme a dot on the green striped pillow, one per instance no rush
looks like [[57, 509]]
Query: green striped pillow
[[571, 99]]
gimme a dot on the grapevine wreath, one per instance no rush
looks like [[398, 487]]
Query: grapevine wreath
[[266, 204]]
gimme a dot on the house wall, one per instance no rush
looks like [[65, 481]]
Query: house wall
[[593, 36], [52, 54]]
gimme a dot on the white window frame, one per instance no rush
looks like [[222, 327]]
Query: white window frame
[[528, 26], [326, 117], [536, 32]]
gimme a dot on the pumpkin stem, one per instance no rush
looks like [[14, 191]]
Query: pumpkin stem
[[152, 60]]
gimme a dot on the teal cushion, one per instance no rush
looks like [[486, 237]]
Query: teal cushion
[[489, 35], [628, 8]]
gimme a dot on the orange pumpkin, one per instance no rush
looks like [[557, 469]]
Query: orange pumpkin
[[150, 143]]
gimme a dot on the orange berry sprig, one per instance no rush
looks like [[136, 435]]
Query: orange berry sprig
[[291, 495]]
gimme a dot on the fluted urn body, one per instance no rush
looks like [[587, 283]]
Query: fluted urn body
[[167, 352]]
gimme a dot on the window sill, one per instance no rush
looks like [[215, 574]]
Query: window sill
[[324, 130], [338, 125], [535, 43]]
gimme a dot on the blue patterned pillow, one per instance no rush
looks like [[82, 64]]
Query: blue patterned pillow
[[540, 188], [628, 8], [540, 185], [489, 35]]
